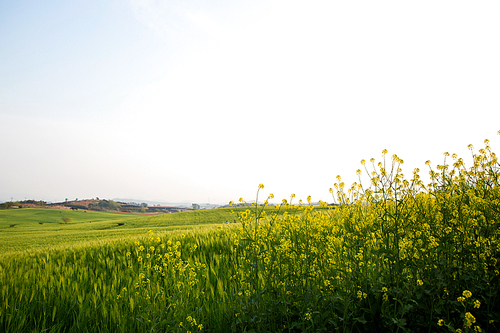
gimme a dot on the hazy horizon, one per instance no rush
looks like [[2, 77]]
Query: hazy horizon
[[188, 101]]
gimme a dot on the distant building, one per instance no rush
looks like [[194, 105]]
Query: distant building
[[196, 206]]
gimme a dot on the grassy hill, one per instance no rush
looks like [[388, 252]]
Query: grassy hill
[[27, 229]]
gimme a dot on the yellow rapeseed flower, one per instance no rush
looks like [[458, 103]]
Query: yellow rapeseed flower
[[467, 294], [469, 319]]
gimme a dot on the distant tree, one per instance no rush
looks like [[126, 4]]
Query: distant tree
[[112, 205], [5, 205], [65, 219]]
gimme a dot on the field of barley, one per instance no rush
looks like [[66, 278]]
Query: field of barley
[[393, 255]]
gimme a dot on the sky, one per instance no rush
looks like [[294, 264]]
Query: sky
[[201, 101]]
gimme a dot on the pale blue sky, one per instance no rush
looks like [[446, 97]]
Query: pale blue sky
[[204, 100]]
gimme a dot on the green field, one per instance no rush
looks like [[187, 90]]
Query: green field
[[397, 255], [31, 228]]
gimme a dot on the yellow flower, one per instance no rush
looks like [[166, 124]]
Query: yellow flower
[[440, 322], [469, 319], [261, 185], [467, 294], [477, 304], [420, 282], [461, 299]]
